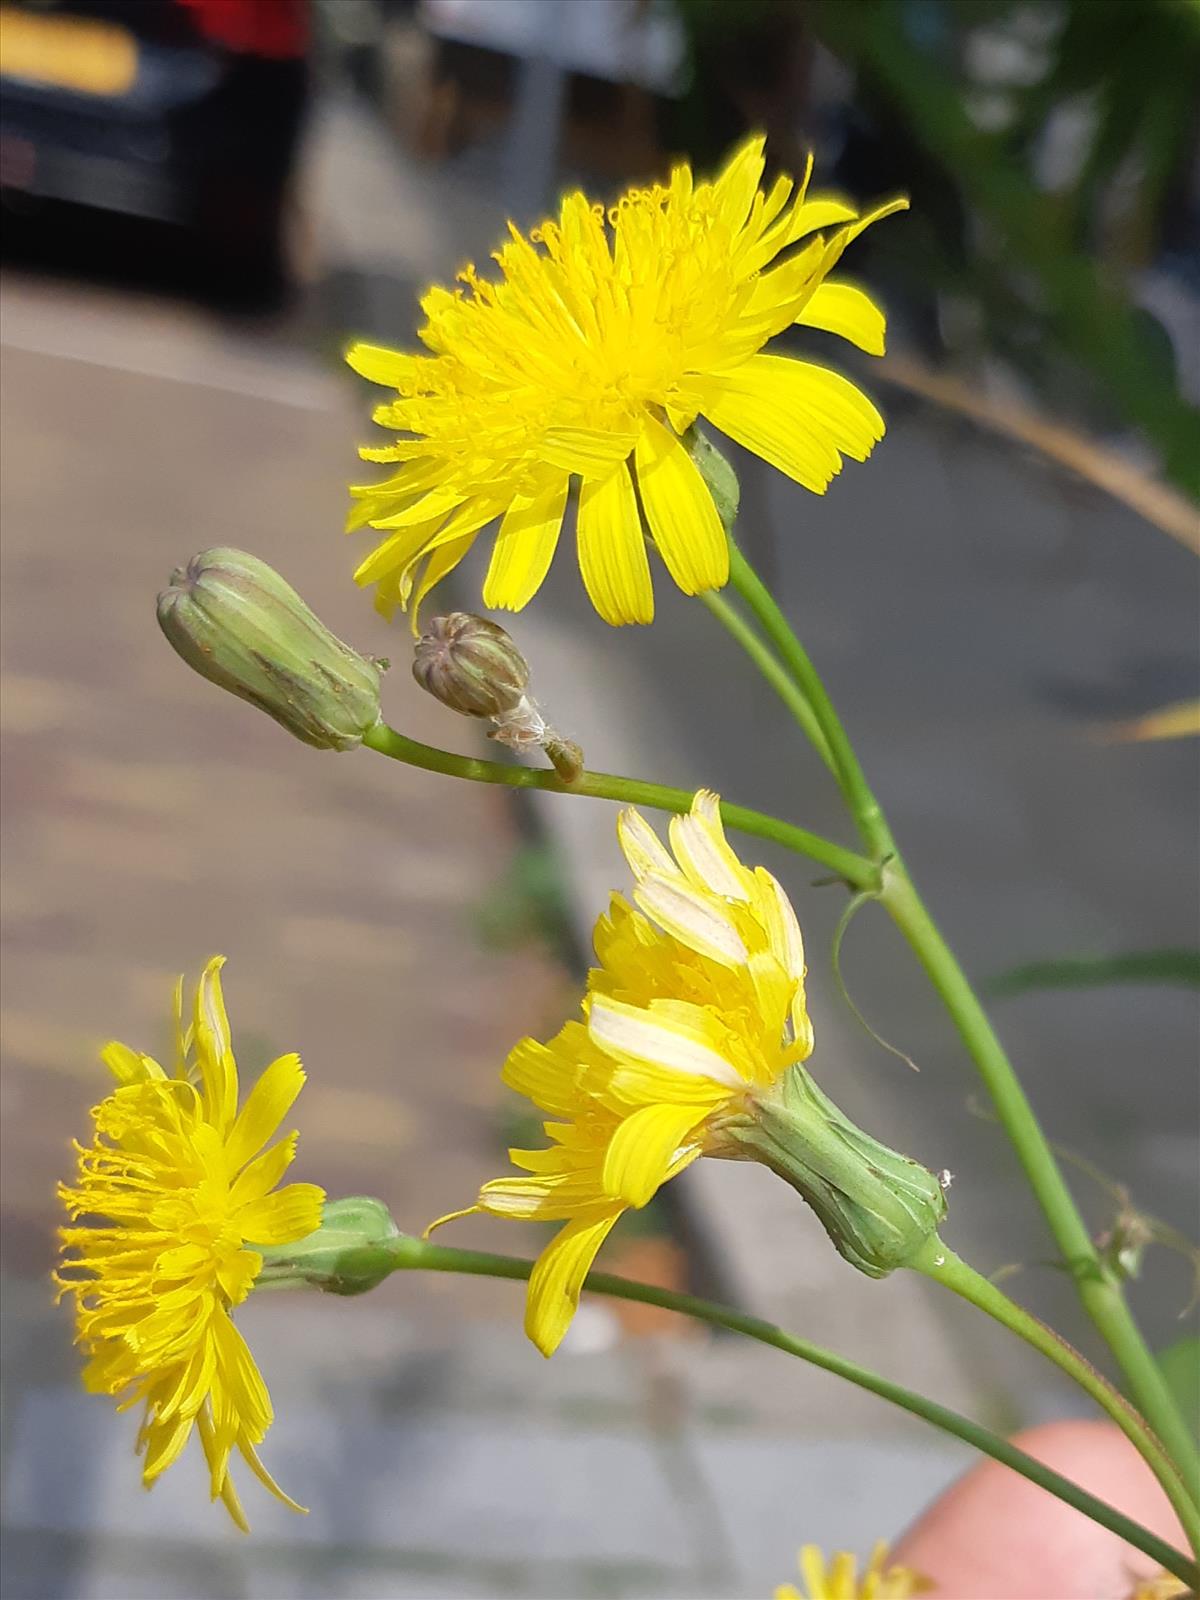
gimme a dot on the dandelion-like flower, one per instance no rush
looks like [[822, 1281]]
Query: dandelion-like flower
[[697, 1006], [839, 1580], [589, 361], [178, 1191], [693, 1033]]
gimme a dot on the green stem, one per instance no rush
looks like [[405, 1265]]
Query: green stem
[[845, 864], [941, 1264], [1098, 1288], [768, 664], [862, 803], [1099, 1291], [407, 1254]]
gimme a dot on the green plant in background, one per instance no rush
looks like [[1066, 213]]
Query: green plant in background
[[591, 361], [1048, 270]]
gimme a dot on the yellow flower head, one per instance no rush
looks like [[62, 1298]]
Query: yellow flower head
[[1163, 1586], [839, 1579], [589, 359], [175, 1184], [697, 1005]]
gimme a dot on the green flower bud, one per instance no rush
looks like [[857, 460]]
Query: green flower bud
[[235, 620], [350, 1253], [878, 1207], [717, 473], [471, 665]]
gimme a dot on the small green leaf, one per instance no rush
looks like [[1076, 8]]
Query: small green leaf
[[1175, 966]]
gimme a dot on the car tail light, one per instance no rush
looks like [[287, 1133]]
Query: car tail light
[[276, 29]]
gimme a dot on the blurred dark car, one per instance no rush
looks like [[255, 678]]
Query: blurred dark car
[[184, 111]]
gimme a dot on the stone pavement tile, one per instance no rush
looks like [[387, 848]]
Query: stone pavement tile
[[150, 820], [776, 1496]]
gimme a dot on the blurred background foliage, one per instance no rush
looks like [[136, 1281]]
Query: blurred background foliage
[[1050, 150]]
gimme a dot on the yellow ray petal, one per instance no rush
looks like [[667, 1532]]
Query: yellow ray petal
[[612, 551], [703, 852], [292, 1212], [680, 511], [844, 309], [557, 1278], [642, 848], [683, 1046], [442, 561], [737, 184], [129, 1066], [214, 1053], [643, 1148], [588, 452], [525, 546], [264, 1109], [695, 917], [263, 1173], [799, 417], [377, 364], [545, 1074]]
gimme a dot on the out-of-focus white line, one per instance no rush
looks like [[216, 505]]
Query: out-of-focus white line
[[303, 394]]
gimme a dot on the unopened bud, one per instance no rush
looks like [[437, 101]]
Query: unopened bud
[[235, 620], [717, 473], [470, 665], [878, 1207], [473, 666], [350, 1253]]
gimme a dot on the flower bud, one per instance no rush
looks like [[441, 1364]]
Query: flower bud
[[350, 1253], [877, 1206], [717, 473], [235, 620], [471, 665]]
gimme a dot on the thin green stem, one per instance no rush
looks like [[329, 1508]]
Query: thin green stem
[[407, 1254], [862, 803], [769, 665], [941, 1264], [1099, 1290], [845, 864]]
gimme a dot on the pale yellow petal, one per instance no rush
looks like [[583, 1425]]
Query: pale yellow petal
[[642, 848], [557, 1277], [813, 1571], [843, 309], [554, 1198], [695, 917], [525, 546], [129, 1066], [643, 1148], [704, 853], [786, 943], [612, 550], [214, 1052], [683, 1046], [683, 520]]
